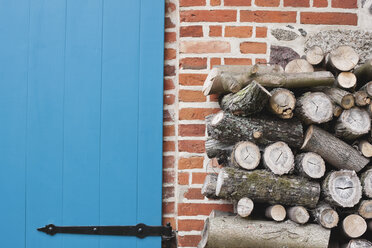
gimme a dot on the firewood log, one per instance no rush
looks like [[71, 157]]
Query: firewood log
[[366, 180], [315, 55], [250, 100], [364, 72], [244, 207], [262, 130], [352, 124], [337, 110], [282, 103], [209, 186], [365, 209], [361, 98], [369, 109], [358, 243], [298, 66], [346, 80], [217, 149], [325, 215], [263, 186], [314, 107], [354, 226], [278, 158], [246, 155], [276, 212], [298, 214], [341, 97], [342, 188], [367, 88], [333, 150], [310, 165], [343, 58], [365, 148], [230, 231]]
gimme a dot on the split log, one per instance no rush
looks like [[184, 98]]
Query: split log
[[333, 150], [343, 58], [354, 226], [217, 149], [310, 165], [244, 207], [358, 243], [364, 72], [282, 103], [250, 100], [367, 88], [352, 124], [276, 212], [361, 98], [209, 186], [342, 188], [365, 209], [278, 158], [346, 80], [314, 108], [262, 130], [246, 155], [326, 216], [341, 97], [315, 55], [298, 66], [263, 186], [298, 214], [229, 231], [366, 149], [366, 180]]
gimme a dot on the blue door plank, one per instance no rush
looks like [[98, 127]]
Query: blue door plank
[[45, 121], [82, 119], [119, 117], [150, 117], [14, 23]]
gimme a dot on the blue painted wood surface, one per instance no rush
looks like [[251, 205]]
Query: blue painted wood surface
[[81, 119]]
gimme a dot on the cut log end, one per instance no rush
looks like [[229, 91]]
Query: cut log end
[[298, 214], [246, 155], [217, 118], [361, 98], [244, 207], [282, 103], [299, 66], [367, 88], [315, 55], [366, 180], [358, 243], [365, 209], [315, 108], [346, 80], [310, 165], [348, 101], [344, 58], [353, 123], [365, 148], [276, 212], [354, 226], [329, 218], [279, 158]]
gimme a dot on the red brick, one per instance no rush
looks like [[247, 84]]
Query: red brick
[[215, 61], [168, 162], [320, 3], [214, 97], [169, 53], [169, 99], [188, 3], [238, 61], [192, 146], [262, 16], [267, 3], [253, 47], [215, 31], [215, 2], [169, 70], [168, 130], [168, 192], [193, 194], [239, 32], [190, 225], [296, 3], [329, 18], [168, 23], [208, 16], [168, 177], [193, 63], [190, 163], [261, 61], [168, 84], [205, 47], [191, 96], [196, 113], [261, 32], [167, 115], [194, 209], [168, 207], [189, 240], [345, 4], [170, 37], [183, 178], [191, 31], [170, 220], [192, 79], [169, 7], [191, 130], [237, 2], [198, 177], [169, 146]]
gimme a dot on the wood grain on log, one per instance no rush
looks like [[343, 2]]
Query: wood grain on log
[[354, 226], [310, 165], [298, 66], [282, 103], [209, 186], [298, 214], [314, 107], [276, 212], [315, 55], [217, 149], [246, 155], [366, 180], [333, 150], [361, 98], [278, 158], [244, 207], [337, 110], [367, 88], [365, 209], [325, 215], [365, 148], [343, 58], [364, 72], [358, 243], [341, 97], [346, 80], [352, 124], [263, 186]]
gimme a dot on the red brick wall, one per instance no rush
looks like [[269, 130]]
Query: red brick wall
[[200, 34]]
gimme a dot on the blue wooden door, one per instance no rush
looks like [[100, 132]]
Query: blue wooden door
[[80, 119]]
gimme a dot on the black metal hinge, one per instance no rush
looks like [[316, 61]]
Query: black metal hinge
[[140, 231]]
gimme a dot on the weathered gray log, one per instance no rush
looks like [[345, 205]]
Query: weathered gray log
[[282, 103], [249, 100], [366, 180], [365, 148], [367, 88], [244, 207], [209, 186], [263, 186], [310, 165], [276, 212], [341, 97], [262, 130], [298, 214], [315, 55], [365, 209], [346, 80], [298, 66], [354, 226], [352, 124], [361, 98], [364, 72], [325, 215], [369, 109], [246, 155], [343, 58], [314, 107], [333, 150], [217, 149], [358, 243], [236, 232], [278, 158], [342, 188]]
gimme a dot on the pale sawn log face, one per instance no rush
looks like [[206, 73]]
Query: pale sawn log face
[[352, 124], [358, 243], [246, 155], [276, 212], [354, 226], [344, 58], [298, 66], [310, 165], [365, 209], [245, 207], [298, 214], [279, 158], [282, 103], [314, 108], [366, 180], [315, 55]]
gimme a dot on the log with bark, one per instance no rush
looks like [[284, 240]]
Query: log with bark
[[346, 80], [337, 110], [263, 130], [244, 207], [246, 155], [358, 243], [217, 149], [325, 215], [298, 66], [364, 72], [333, 150], [278, 158], [341, 97], [352, 124], [365, 209], [315, 108], [366, 180], [367, 88], [209, 186], [263, 186], [354, 226], [315, 55], [276, 212], [343, 58], [282, 103], [310, 165], [298, 214], [229, 231], [361, 98]]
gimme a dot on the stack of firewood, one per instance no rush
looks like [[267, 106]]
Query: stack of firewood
[[295, 145]]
